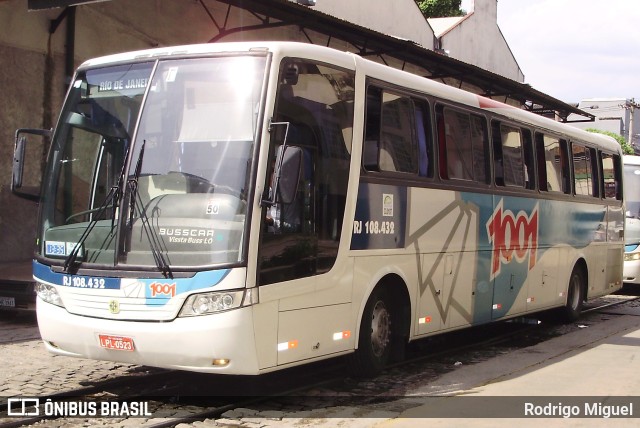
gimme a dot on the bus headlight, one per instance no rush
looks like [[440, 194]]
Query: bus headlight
[[209, 303], [631, 257], [49, 294]]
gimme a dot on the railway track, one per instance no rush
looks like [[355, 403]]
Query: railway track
[[175, 397]]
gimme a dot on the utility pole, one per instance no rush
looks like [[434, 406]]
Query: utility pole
[[631, 105]]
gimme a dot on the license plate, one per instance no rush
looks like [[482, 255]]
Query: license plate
[[119, 343], [8, 302]]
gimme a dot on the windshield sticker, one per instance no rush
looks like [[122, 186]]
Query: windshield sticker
[[119, 85], [171, 74], [60, 249], [213, 208]]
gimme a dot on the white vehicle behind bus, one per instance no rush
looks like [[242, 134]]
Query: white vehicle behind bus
[[632, 221]]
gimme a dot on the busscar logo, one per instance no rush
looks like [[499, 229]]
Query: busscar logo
[[512, 235], [23, 407]]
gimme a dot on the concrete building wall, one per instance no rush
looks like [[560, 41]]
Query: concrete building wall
[[399, 18], [29, 77], [476, 39]]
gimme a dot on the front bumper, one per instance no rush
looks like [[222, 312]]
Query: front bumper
[[190, 343]]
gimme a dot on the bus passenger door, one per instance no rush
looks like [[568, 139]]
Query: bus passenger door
[[300, 236]]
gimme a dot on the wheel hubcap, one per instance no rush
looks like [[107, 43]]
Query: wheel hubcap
[[574, 293], [380, 328]]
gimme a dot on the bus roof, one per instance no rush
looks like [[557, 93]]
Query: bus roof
[[374, 69], [210, 48]]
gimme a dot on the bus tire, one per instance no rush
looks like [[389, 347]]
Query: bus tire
[[375, 339], [575, 296]]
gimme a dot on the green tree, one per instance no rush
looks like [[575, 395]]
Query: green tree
[[626, 147], [440, 8]]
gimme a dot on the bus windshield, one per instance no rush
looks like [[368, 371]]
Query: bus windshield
[[150, 164]]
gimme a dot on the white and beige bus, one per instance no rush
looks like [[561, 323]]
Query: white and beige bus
[[242, 208]]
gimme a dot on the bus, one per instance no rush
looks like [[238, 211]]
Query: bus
[[246, 207], [631, 273]]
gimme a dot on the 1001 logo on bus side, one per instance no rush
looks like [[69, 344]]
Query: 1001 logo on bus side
[[512, 235]]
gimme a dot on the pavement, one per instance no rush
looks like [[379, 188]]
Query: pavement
[[583, 376], [27, 369], [580, 372], [588, 374]]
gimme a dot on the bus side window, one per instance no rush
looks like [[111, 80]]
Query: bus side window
[[553, 164], [463, 144], [457, 132], [596, 173], [371, 149], [583, 181], [617, 172], [395, 133], [480, 149], [565, 168], [498, 162], [425, 148], [611, 176], [510, 145], [398, 153], [529, 163], [541, 162]]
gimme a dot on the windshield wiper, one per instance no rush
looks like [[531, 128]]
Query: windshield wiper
[[113, 195], [112, 200], [136, 202]]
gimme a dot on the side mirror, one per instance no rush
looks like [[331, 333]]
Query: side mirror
[[18, 163], [34, 168]]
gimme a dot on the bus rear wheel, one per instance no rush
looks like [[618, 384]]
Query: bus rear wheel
[[575, 296], [376, 333]]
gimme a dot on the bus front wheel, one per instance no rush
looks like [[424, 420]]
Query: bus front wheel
[[575, 296], [375, 340]]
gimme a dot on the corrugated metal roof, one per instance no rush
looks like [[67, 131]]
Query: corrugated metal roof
[[370, 42]]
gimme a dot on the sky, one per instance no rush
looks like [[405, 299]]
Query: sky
[[575, 49]]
